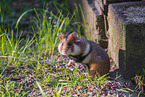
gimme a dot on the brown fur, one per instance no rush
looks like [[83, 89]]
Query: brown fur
[[99, 61]]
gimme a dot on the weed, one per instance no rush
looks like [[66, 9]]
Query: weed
[[140, 81], [10, 90], [31, 64]]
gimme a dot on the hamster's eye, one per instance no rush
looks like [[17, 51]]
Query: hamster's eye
[[62, 44], [69, 44]]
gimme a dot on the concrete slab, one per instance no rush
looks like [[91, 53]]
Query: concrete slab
[[127, 36]]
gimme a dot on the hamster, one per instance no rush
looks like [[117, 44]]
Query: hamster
[[86, 52]]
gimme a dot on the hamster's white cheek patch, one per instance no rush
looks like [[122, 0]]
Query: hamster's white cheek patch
[[69, 51], [77, 50], [59, 46]]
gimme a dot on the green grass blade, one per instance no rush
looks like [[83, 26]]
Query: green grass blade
[[26, 12], [44, 95]]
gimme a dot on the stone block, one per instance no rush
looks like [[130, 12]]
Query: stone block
[[99, 9], [127, 36], [89, 17]]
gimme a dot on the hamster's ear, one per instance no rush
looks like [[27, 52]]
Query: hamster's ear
[[61, 36], [73, 36]]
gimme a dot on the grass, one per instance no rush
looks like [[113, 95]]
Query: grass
[[32, 66], [140, 81], [22, 57]]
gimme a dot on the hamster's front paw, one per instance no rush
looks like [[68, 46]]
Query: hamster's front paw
[[71, 63]]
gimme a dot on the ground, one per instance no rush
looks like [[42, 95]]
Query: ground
[[25, 79], [53, 75]]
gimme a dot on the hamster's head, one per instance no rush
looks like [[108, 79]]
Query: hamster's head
[[69, 45]]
